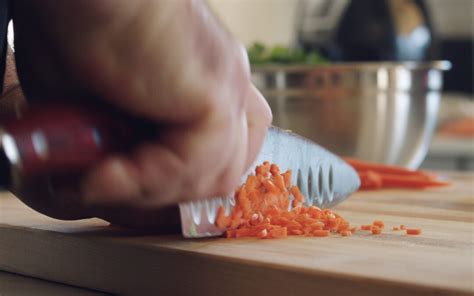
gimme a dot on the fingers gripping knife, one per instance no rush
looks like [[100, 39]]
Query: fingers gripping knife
[[62, 139]]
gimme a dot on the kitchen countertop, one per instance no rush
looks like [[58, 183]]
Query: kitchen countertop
[[93, 255]]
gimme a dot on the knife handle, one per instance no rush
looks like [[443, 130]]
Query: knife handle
[[56, 138]]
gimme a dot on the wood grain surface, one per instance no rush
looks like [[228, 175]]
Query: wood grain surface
[[17, 285], [93, 255]]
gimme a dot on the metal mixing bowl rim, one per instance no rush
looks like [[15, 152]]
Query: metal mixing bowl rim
[[357, 66]]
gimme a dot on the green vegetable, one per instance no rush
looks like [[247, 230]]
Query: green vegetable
[[259, 54]]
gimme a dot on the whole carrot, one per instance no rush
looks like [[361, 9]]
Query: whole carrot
[[398, 181], [362, 166]]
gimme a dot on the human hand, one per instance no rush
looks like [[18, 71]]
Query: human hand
[[166, 61]]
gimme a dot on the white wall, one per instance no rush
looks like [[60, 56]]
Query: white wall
[[269, 21], [453, 18], [273, 21]]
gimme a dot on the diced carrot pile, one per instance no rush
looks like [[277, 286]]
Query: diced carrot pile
[[378, 176], [262, 209], [268, 205]]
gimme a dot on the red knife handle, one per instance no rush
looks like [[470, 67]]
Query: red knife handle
[[65, 138]]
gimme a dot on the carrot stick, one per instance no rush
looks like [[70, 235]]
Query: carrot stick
[[361, 166], [413, 231], [370, 180], [400, 181]]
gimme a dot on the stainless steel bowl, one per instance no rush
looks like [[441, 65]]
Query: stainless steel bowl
[[383, 112]]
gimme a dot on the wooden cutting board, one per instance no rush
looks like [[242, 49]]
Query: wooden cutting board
[[90, 254]]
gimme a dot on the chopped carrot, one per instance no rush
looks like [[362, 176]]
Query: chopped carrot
[[376, 230], [263, 233], [402, 227], [287, 178], [413, 231], [298, 197], [379, 223], [274, 170], [263, 170], [296, 232], [346, 233], [262, 209], [222, 221], [280, 183], [320, 233], [278, 232], [270, 186], [230, 233]]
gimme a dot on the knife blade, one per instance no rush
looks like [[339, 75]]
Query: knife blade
[[324, 179]]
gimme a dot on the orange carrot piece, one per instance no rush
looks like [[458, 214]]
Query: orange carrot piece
[[379, 223], [298, 198], [317, 226], [287, 178], [376, 230], [278, 232], [366, 227], [402, 227], [413, 231], [353, 229], [230, 233], [370, 180], [263, 234], [274, 170], [242, 232], [279, 183], [244, 202], [376, 176], [280, 221], [295, 231], [346, 233], [270, 187], [320, 233], [251, 183], [235, 219], [263, 170], [222, 221]]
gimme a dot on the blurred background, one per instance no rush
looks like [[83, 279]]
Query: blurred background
[[382, 80], [389, 81]]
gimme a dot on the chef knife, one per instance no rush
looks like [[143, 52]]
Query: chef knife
[[57, 138]]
